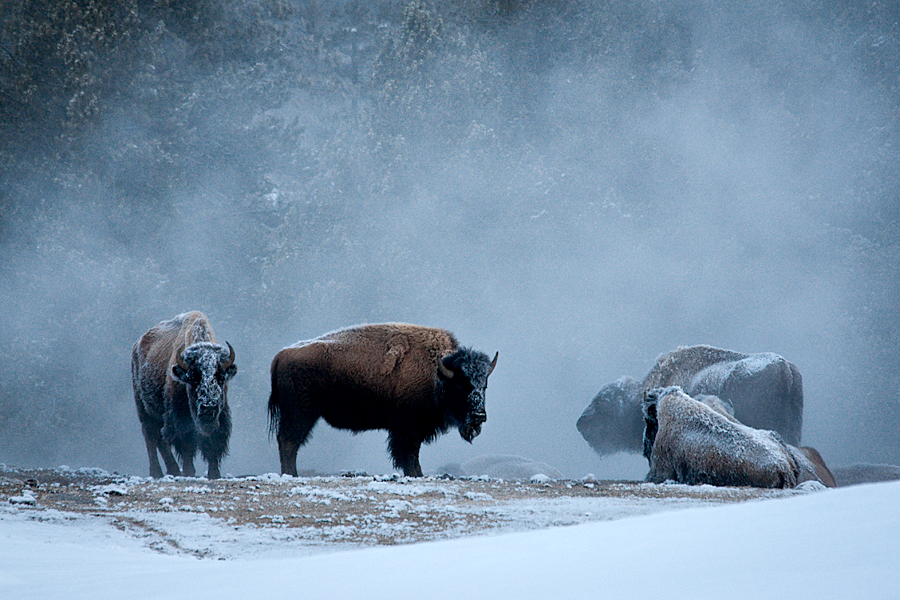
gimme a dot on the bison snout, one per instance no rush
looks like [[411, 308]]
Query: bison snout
[[208, 411], [472, 428], [470, 432]]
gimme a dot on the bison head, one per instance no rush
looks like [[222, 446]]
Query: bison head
[[651, 420], [205, 368], [464, 374], [612, 422]]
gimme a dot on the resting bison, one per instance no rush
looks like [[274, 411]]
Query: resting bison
[[694, 442], [859, 473], [415, 382], [180, 377], [765, 391], [501, 466]]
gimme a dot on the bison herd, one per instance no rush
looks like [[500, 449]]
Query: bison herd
[[701, 416], [415, 382]]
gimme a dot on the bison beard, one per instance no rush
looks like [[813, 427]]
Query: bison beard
[[180, 377], [415, 382]]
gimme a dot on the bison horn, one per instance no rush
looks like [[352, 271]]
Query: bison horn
[[230, 360], [179, 359], [493, 363], [446, 371]]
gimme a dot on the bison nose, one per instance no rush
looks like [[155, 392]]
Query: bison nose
[[208, 411]]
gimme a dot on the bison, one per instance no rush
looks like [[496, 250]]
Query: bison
[[695, 442], [501, 466], [764, 390], [415, 382], [858, 473], [180, 376]]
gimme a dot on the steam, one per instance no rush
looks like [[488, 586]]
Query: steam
[[580, 188]]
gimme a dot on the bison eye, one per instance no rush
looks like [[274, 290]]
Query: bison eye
[[184, 375]]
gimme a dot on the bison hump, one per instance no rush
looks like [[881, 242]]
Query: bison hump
[[718, 377], [677, 367]]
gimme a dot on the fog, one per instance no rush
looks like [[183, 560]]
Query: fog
[[579, 186]]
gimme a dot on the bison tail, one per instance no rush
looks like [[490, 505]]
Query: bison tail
[[274, 415], [274, 408]]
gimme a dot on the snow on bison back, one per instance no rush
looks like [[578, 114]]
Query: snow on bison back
[[693, 442], [764, 390]]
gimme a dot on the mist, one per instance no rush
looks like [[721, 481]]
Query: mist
[[580, 186]]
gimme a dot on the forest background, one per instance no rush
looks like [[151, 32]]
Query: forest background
[[580, 185]]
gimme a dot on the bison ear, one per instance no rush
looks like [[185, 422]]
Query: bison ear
[[230, 371], [179, 373]]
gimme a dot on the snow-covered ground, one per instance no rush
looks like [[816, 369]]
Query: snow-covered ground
[[838, 543]]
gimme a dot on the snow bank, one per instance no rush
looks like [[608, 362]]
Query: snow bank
[[833, 544]]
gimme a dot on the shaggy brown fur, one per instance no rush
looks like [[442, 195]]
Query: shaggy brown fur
[[413, 381], [820, 469], [179, 375], [689, 442]]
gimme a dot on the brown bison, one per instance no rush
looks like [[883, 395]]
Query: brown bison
[[180, 377], [415, 382], [764, 390], [695, 442]]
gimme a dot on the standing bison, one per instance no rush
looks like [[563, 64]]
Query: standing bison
[[180, 377], [415, 382], [700, 442], [764, 390]]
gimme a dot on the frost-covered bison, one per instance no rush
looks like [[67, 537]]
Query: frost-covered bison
[[858, 473], [501, 466], [415, 382], [765, 391], [180, 376], [695, 442]]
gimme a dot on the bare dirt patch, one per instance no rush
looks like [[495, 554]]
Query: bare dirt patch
[[206, 518]]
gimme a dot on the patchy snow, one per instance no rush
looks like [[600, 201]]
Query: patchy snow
[[26, 498], [631, 541]]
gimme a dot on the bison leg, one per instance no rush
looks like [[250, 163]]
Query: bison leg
[[215, 446], [405, 454], [169, 459], [287, 452], [155, 470], [213, 471], [188, 469], [186, 450], [212, 455], [154, 441], [292, 433]]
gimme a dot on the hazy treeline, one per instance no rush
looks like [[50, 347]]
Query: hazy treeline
[[579, 185]]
